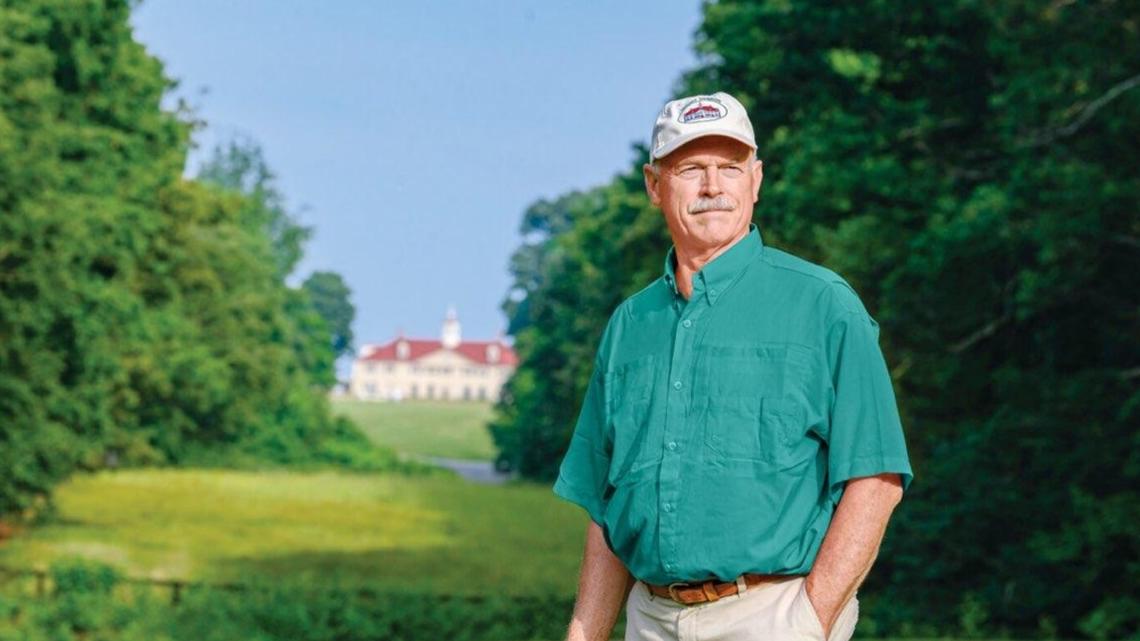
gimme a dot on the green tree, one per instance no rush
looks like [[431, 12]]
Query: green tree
[[144, 318], [331, 298], [238, 168], [84, 151], [585, 253], [239, 165]]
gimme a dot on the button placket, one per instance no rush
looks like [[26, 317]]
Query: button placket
[[676, 431]]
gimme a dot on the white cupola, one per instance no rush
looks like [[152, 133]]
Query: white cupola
[[450, 335]]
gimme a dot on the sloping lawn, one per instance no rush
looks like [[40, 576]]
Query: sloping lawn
[[431, 428], [435, 533]]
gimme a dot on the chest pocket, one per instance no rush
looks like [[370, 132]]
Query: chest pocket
[[630, 388], [753, 402]]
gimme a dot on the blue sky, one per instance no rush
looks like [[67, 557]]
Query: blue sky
[[412, 136]]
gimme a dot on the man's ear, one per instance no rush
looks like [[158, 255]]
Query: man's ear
[[652, 180], [757, 178]]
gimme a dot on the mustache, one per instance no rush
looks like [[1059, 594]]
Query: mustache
[[722, 201]]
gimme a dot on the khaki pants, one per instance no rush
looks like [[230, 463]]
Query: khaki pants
[[771, 611]]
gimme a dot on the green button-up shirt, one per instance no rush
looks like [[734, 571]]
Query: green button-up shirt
[[717, 433]]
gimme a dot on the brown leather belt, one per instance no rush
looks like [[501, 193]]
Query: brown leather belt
[[712, 589]]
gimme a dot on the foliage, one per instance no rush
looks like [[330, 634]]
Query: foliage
[[583, 253], [330, 298], [144, 318], [969, 168], [239, 166], [84, 152], [282, 610]]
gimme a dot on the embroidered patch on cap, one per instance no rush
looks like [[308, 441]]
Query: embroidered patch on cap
[[701, 109]]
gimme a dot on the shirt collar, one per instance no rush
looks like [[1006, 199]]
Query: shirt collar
[[717, 274]]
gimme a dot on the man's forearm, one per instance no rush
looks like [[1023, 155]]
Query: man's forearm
[[603, 586], [851, 544]]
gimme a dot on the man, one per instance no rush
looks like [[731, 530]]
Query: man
[[739, 450]]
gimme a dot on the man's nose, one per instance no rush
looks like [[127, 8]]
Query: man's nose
[[711, 184]]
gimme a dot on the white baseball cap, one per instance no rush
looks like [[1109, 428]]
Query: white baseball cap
[[686, 119]]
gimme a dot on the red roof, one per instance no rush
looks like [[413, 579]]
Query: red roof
[[475, 351]]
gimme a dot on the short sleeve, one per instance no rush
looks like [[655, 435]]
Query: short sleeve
[[583, 475], [864, 433]]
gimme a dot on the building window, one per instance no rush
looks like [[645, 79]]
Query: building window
[[466, 392], [482, 393], [430, 391], [445, 391], [415, 391]]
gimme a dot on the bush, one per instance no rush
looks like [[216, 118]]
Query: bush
[[77, 575], [265, 611]]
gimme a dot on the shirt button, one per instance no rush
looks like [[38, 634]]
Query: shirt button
[[676, 384], [687, 323], [668, 507], [672, 445], [713, 291]]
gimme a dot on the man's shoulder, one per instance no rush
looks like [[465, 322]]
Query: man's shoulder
[[799, 270], [652, 295], [836, 295]]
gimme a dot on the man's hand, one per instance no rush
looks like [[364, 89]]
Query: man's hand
[[851, 544], [603, 586]]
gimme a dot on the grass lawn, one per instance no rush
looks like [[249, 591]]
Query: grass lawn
[[432, 533], [455, 429]]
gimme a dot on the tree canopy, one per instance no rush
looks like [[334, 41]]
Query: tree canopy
[[144, 317]]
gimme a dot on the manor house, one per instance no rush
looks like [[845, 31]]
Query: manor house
[[445, 369]]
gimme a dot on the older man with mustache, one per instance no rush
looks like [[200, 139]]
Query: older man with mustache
[[739, 449]]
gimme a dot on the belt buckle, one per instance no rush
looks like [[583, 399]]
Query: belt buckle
[[672, 591]]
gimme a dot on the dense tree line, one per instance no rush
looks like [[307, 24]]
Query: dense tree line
[[144, 317], [970, 167]]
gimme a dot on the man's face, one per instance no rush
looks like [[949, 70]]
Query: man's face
[[706, 189]]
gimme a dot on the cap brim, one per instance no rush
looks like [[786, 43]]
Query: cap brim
[[681, 140]]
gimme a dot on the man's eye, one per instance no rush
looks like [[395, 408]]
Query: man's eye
[[690, 172], [732, 171]]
